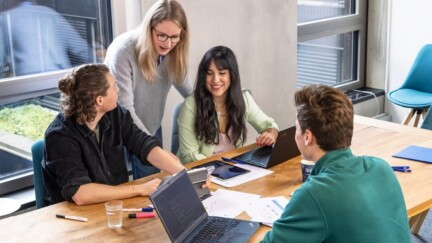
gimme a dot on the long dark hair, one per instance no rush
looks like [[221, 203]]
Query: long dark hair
[[206, 122]]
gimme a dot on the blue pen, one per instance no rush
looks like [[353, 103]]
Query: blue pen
[[232, 160], [402, 169]]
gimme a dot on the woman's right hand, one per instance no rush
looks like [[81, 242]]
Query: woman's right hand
[[147, 188]]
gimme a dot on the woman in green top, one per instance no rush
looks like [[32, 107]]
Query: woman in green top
[[213, 120]]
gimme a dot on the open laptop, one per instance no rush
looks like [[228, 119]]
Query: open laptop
[[284, 148], [186, 220]]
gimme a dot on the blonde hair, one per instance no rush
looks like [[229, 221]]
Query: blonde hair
[[177, 62]]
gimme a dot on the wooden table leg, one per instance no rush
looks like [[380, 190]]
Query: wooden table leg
[[416, 222], [408, 117]]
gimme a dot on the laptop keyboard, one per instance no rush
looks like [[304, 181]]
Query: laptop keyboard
[[214, 229], [259, 161]]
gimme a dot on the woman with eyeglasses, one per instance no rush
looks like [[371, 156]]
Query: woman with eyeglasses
[[146, 62]]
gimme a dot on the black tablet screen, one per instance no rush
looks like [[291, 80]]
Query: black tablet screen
[[223, 170]]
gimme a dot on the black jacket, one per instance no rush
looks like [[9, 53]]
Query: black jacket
[[73, 156]]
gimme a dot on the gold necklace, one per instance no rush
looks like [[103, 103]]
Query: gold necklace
[[219, 108]]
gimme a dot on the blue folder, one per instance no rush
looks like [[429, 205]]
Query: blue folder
[[416, 153]]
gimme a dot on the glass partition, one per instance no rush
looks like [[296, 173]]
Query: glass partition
[[41, 41]]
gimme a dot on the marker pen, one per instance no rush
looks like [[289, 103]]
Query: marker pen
[[142, 215], [148, 209], [72, 217]]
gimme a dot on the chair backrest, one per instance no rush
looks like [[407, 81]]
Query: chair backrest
[[174, 129], [427, 122], [420, 74], [37, 151]]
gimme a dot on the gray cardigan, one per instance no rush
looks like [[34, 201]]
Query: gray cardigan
[[145, 101]]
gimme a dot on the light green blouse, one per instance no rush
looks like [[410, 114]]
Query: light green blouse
[[191, 149]]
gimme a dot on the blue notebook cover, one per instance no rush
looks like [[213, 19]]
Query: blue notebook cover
[[416, 153]]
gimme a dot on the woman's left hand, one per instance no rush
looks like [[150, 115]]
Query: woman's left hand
[[268, 137]]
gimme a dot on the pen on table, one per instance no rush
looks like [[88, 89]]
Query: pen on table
[[61, 216], [232, 160], [401, 169], [147, 209], [142, 215]]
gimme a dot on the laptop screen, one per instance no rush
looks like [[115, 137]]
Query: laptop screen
[[178, 206]]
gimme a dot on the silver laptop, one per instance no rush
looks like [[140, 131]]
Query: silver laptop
[[186, 220], [284, 148]]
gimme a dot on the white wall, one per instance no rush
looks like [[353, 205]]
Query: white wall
[[398, 29], [410, 29], [262, 34]]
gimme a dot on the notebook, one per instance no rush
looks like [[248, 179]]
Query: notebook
[[284, 148], [416, 153], [186, 220]]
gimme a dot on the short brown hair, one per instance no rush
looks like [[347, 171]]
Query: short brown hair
[[328, 113], [79, 89]]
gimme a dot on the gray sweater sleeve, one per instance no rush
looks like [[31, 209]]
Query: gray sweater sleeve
[[185, 88]]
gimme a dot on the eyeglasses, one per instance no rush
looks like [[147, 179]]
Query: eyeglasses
[[163, 37]]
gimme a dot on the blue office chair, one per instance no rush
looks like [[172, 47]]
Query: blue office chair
[[416, 92], [174, 129], [37, 151]]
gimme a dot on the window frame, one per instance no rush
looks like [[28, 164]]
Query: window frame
[[356, 22]]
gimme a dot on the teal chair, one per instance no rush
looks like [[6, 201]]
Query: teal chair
[[174, 128], [37, 151], [416, 91]]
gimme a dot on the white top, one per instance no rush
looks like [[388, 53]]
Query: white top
[[224, 144]]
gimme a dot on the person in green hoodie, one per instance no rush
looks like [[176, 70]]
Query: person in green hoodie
[[346, 198]]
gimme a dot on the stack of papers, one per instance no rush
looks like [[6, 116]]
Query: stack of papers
[[227, 203], [230, 204], [266, 210]]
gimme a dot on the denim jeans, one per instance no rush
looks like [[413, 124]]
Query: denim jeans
[[139, 169]]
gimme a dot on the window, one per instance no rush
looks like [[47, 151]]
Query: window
[[40, 40], [331, 45], [40, 43]]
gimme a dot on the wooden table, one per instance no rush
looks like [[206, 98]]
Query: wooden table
[[371, 137]]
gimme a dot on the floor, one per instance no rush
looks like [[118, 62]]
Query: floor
[[425, 234]]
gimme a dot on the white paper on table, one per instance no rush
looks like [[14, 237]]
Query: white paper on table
[[266, 210], [255, 173], [227, 203]]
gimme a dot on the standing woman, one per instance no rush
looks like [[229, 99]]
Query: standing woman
[[213, 120], [146, 62]]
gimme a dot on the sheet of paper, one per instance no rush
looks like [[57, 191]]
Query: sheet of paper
[[227, 203], [266, 210], [255, 173]]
